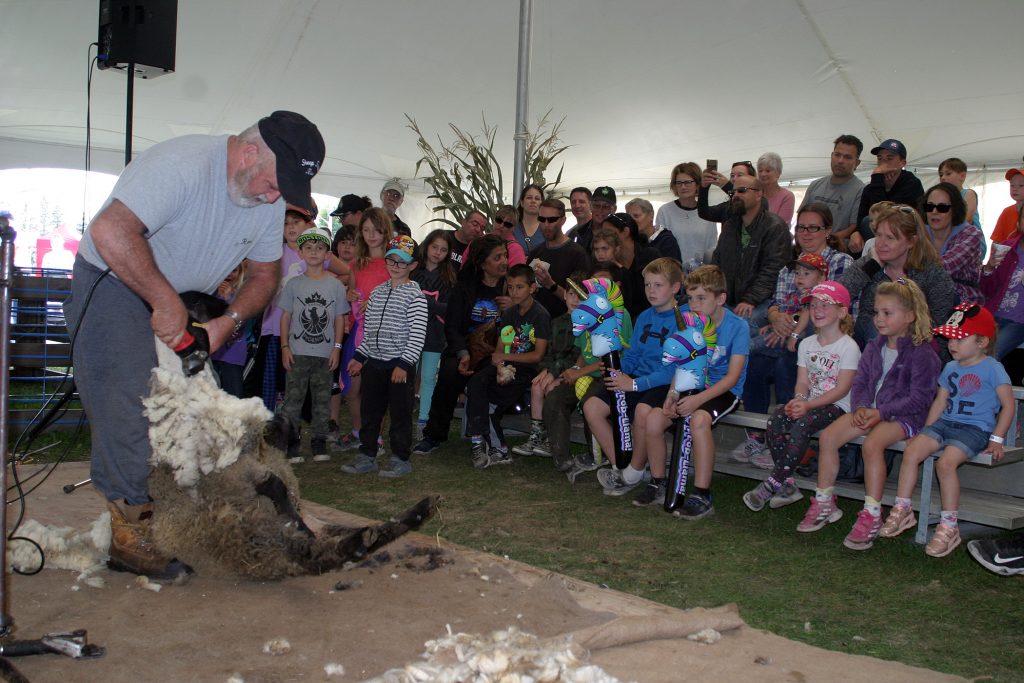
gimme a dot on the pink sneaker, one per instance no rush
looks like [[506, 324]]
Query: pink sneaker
[[945, 541], [898, 521], [864, 531], [819, 514]]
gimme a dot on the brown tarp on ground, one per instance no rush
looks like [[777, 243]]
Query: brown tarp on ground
[[211, 630]]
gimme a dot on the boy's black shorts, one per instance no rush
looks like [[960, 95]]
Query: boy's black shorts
[[654, 397]]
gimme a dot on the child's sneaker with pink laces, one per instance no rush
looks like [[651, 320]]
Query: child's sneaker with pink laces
[[898, 521], [944, 541], [864, 532], [819, 514]]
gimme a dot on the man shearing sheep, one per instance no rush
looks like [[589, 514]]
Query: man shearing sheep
[[180, 218]]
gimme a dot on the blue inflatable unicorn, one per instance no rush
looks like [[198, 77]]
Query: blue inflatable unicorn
[[600, 313], [689, 348]]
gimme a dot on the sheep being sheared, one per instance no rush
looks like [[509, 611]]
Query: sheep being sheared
[[226, 499]]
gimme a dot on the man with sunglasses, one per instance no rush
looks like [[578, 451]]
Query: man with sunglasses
[[562, 257], [754, 245], [840, 191], [890, 182]]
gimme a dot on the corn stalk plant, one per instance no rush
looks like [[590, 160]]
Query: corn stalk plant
[[466, 176]]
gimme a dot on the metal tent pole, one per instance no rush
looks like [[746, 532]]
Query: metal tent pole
[[522, 96]]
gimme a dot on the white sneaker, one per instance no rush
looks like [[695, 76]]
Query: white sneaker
[[746, 450], [613, 484], [763, 460], [297, 460], [788, 494], [323, 457]]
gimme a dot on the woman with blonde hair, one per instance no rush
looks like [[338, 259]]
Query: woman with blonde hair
[[902, 249]]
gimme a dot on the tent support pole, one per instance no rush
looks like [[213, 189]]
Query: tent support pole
[[522, 96]]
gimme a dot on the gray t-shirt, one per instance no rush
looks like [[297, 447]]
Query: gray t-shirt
[[179, 190], [313, 305], [844, 200]]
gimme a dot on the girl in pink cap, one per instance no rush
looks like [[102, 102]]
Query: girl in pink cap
[[826, 364]]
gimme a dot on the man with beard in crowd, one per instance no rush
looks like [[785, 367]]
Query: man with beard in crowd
[[754, 245]]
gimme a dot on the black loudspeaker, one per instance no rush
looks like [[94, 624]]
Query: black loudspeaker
[[140, 32]]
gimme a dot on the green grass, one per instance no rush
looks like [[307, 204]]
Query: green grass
[[891, 602]]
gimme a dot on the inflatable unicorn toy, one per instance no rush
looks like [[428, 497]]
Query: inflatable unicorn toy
[[689, 348], [600, 313]]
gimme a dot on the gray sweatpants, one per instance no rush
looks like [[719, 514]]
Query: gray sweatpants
[[114, 352]]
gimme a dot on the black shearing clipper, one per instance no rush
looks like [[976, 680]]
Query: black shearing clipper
[[194, 348]]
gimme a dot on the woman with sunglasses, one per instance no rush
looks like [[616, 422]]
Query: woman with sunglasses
[[504, 227], [901, 250], [770, 362], [960, 244]]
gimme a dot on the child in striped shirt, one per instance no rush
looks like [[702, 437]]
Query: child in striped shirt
[[394, 328]]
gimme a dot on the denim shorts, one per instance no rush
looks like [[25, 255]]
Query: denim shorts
[[968, 438]]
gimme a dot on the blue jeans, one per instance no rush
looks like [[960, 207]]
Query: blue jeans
[[1011, 335], [764, 368]]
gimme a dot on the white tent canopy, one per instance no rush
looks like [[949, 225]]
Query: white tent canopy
[[643, 85]]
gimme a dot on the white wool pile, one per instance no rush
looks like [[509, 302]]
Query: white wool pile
[[64, 547], [195, 426], [509, 656]]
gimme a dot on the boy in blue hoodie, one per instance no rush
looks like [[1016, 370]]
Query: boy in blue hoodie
[[644, 378]]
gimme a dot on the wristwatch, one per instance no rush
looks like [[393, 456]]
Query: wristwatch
[[239, 321]]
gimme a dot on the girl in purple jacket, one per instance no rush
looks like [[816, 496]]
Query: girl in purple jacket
[[889, 401]]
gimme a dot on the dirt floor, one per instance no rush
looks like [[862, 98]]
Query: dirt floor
[[213, 630]]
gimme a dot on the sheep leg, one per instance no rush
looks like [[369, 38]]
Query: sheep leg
[[338, 545], [273, 488]]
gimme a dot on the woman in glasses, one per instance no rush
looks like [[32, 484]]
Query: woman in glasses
[[959, 244], [770, 362], [695, 236]]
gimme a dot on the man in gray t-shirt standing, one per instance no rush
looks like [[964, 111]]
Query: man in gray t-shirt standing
[[180, 218], [840, 191]]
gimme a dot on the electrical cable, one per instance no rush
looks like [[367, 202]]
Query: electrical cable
[[37, 423]]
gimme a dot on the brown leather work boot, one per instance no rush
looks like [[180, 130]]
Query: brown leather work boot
[[130, 547]]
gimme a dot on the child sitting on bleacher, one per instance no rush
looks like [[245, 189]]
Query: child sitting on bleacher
[[644, 379], [971, 414], [527, 340], [727, 370], [561, 403], [559, 358], [894, 386], [826, 363]]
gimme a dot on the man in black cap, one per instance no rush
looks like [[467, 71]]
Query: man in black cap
[[350, 209], [602, 205], [182, 216], [890, 182]]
